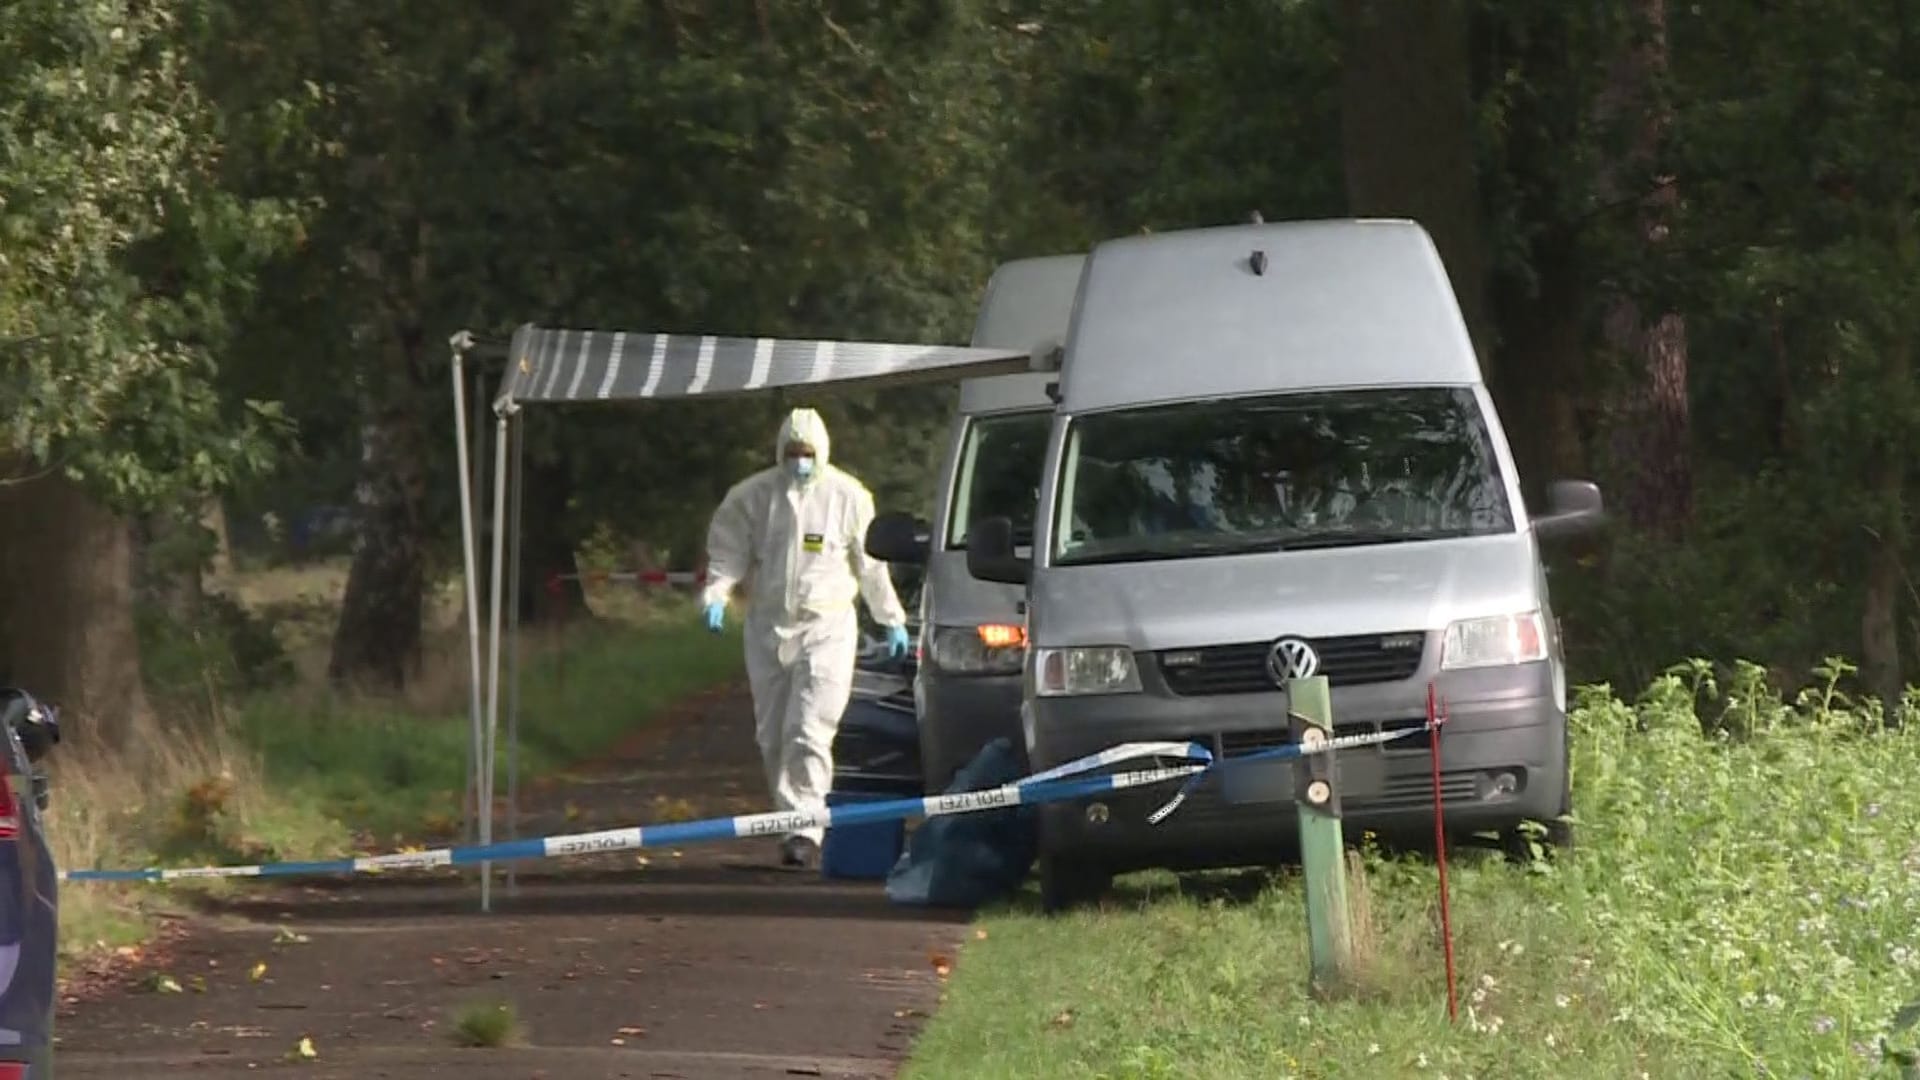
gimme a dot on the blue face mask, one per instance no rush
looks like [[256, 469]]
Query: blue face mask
[[800, 467]]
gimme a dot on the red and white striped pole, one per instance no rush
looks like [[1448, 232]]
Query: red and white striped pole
[[556, 582]]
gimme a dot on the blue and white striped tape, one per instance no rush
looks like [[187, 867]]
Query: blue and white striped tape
[[1051, 785]]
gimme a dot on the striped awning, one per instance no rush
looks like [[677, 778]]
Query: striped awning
[[566, 366]]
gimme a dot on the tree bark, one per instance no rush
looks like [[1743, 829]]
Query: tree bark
[[1539, 363], [69, 633], [214, 519], [167, 574], [1880, 660], [377, 643], [1887, 578], [1406, 106], [1652, 425]]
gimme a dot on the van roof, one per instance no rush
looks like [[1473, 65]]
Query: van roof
[[1183, 315], [1007, 393], [1028, 302]]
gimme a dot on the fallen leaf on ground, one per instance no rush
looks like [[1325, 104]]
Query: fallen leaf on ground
[[979, 935], [259, 971], [303, 1051], [165, 984], [288, 937], [941, 964], [1063, 1019], [634, 1031], [674, 809]]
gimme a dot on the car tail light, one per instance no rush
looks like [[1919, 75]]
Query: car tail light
[[9, 830], [13, 1070]]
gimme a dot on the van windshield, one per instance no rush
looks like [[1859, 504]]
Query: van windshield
[[1288, 472], [1000, 473]]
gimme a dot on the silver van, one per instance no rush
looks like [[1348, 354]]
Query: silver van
[[967, 685], [1274, 455]]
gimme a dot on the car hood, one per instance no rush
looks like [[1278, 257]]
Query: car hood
[[1186, 603]]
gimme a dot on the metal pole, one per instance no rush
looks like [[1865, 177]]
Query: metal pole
[[1322, 844], [483, 432], [461, 342], [516, 499], [493, 659]]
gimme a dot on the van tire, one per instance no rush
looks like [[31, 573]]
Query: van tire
[[1559, 830], [1066, 884]]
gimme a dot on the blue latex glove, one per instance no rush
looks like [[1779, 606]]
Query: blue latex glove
[[897, 641], [716, 617]]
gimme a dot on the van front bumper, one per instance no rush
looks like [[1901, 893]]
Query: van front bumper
[[961, 714], [1503, 760]]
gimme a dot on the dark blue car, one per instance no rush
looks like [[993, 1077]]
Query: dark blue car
[[29, 891]]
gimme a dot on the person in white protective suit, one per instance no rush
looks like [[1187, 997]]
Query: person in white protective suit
[[794, 536]]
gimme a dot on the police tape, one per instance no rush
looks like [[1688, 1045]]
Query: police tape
[[1052, 785]]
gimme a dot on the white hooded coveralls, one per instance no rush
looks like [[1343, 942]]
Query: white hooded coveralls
[[799, 549]]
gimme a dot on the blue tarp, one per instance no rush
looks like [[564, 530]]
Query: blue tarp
[[966, 860]]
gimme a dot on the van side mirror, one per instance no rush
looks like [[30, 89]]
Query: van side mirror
[[1573, 507], [898, 537], [990, 554]]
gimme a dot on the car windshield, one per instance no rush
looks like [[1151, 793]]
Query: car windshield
[[1000, 474], [1278, 473]]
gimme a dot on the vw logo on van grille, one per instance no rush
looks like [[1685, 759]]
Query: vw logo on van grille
[[1291, 658]]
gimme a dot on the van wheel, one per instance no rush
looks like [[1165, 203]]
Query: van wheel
[[1560, 833], [1066, 884]]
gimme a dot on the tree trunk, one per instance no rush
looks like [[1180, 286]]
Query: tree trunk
[[1539, 366], [214, 519], [69, 634], [167, 573], [1887, 578], [1880, 615], [546, 548], [377, 644], [1406, 107], [1652, 426]]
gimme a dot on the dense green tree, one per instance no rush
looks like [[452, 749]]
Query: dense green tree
[[119, 262]]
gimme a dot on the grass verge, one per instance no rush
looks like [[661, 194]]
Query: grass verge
[[303, 773], [1742, 901], [391, 768]]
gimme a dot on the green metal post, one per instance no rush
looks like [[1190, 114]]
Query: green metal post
[[1322, 846]]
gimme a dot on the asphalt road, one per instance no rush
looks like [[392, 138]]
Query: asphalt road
[[708, 962]]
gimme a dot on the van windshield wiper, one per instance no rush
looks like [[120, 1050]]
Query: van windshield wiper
[[1159, 548], [1192, 546], [1365, 537]]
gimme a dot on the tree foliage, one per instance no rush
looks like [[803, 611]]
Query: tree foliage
[[119, 261], [205, 207]]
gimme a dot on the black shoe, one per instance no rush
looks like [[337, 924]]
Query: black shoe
[[799, 852]]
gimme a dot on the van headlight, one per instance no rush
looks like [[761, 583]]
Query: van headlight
[[1102, 669], [989, 649], [1494, 642]]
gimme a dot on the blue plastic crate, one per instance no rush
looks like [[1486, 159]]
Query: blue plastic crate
[[862, 852]]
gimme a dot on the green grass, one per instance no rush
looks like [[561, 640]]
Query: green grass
[[304, 773], [487, 1025], [1744, 896], [388, 768]]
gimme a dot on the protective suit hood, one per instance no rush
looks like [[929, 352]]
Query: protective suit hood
[[803, 425]]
